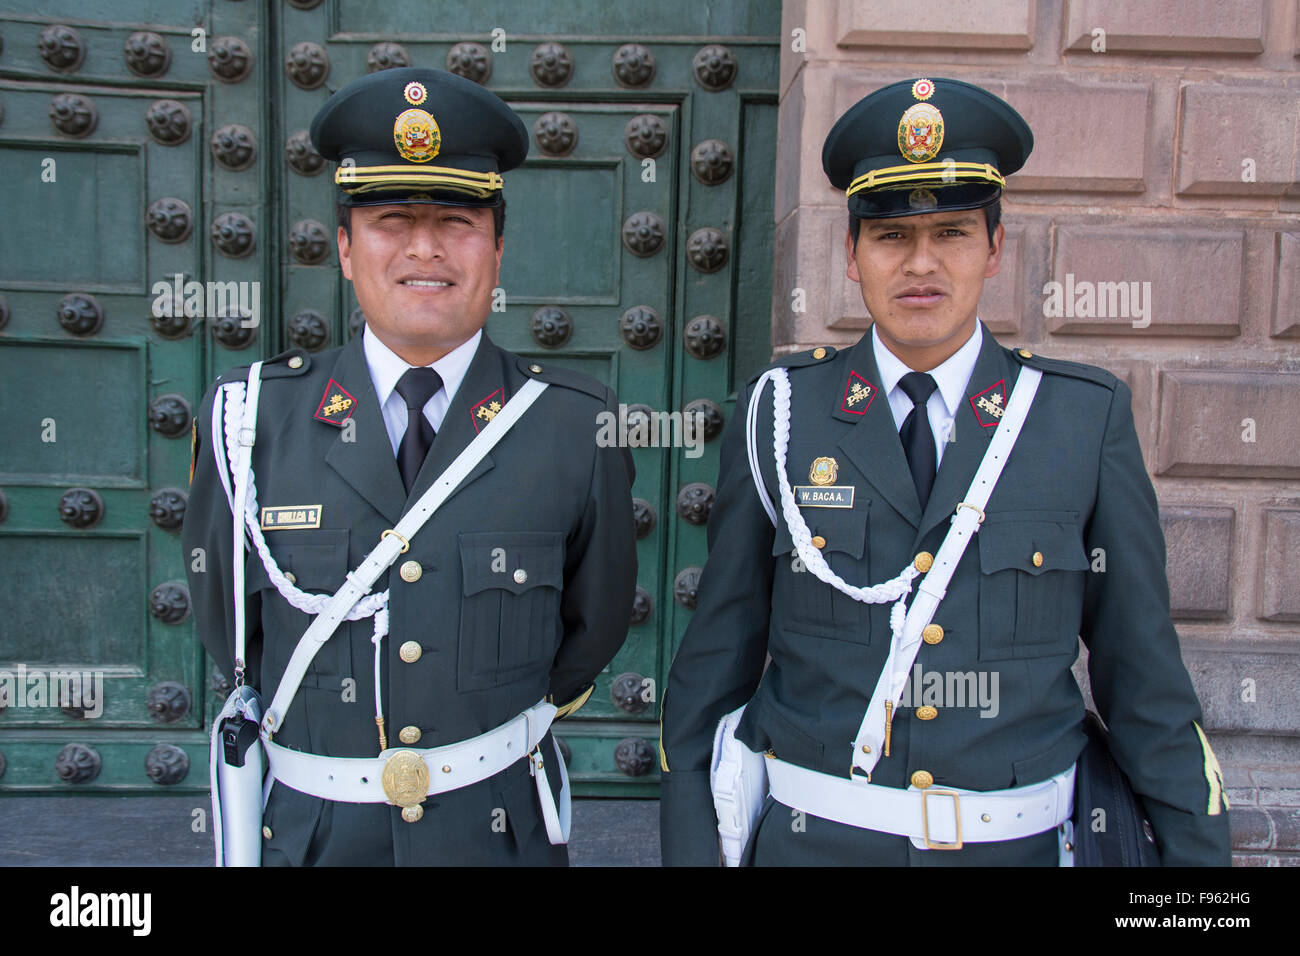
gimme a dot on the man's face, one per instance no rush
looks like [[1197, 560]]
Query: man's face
[[921, 277], [423, 274]]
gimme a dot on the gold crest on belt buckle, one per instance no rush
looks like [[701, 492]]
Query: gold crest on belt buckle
[[406, 783]]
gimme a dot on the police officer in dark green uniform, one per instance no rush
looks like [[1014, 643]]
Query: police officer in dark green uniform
[[974, 762], [511, 597]]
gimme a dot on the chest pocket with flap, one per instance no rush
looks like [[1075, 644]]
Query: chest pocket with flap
[[808, 604], [318, 561], [510, 605], [1032, 575]]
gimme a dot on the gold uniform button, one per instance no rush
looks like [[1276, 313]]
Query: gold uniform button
[[1038, 559], [819, 354], [927, 712], [932, 634], [866, 748], [412, 814], [535, 369], [1025, 353], [922, 779], [295, 362], [266, 832], [410, 571], [923, 561], [409, 735], [410, 652], [290, 577], [818, 542]]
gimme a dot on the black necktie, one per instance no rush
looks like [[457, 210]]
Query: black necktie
[[916, 434], [416, 387]]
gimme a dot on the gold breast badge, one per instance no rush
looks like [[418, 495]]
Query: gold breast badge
[[824, 471]]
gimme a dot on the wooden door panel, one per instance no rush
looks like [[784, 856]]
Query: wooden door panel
[[110, 160]]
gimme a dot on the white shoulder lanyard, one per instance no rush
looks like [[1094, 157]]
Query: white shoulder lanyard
[[343, 603], [391, 544], [868, 746], [906, 624]]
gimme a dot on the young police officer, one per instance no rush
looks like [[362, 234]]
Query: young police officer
[[512, 596], [947, 738]]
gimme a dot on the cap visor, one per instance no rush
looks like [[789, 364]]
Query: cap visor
[[921, 200]]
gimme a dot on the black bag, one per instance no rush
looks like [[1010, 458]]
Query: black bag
[[1099, 784]]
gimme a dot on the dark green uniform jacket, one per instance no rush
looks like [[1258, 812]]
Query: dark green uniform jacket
[[492, 642], [1074, 490]]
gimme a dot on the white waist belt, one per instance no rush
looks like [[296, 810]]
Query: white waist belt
[[450, 767], [936, 818]]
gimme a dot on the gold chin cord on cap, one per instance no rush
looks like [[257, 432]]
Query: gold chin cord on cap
[[948, 171], [362, 179]]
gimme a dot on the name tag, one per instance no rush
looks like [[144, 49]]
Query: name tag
[[291, 516], [824, 496]]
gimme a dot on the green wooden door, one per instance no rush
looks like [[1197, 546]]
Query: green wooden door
[[638, 250], [131, 133]]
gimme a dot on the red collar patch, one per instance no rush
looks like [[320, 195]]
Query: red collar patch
[[336, 405], [858, 395], [990, 404], [486, 409]]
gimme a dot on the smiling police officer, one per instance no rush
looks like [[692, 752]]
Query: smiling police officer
[[415, 732], [917, 530]]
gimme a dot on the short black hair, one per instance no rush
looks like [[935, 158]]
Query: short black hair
[[344, 214], [992, 216]]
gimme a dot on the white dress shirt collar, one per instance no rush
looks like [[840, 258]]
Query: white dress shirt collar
[[952, 376], [386, 366]]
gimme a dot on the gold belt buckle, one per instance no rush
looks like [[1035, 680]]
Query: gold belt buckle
[[925, 819], [406, 782]]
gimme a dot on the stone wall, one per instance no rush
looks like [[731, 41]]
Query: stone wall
[[1167, 154]]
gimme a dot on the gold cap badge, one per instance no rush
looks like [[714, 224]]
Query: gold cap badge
[[416, 94], [824, 471], [923, 89], [416, 135], [920, 133]]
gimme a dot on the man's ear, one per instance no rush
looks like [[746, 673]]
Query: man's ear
[[995, 253], [851, 255], [345, 253]]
